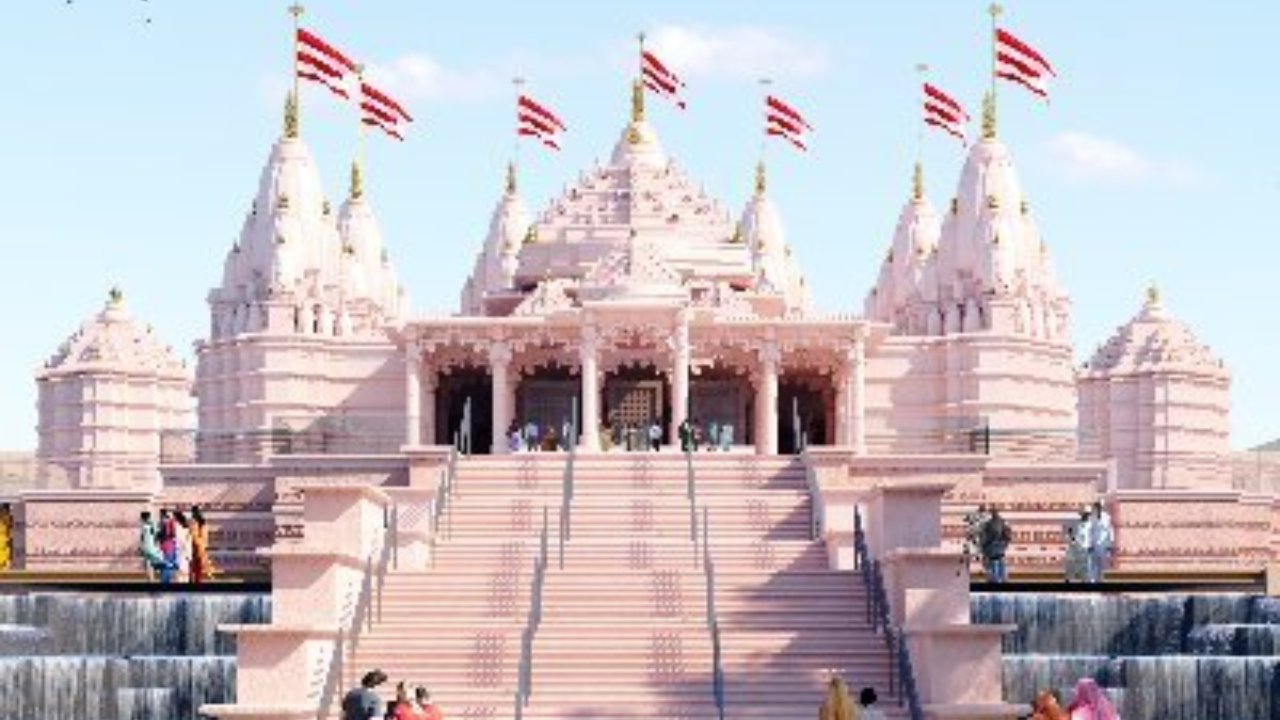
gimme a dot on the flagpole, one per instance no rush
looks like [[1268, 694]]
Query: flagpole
[[361, 131], [995, 9], [764, 137], [922, 69], [517, 82], [296, 10]]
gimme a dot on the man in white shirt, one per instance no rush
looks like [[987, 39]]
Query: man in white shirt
[[1099, 538]]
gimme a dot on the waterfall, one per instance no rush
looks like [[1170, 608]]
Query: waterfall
[[119, 657], [1160, 657]]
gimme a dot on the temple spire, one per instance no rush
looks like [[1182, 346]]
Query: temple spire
[[917, 182], [637, 88], [989, 102], [760, 178], [291, 103], [989, 116], [511, 178]]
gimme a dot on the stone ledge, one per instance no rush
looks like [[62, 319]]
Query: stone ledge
[[310, 553], [984, 711], [259, 712], [374, 493], [305, 632], [960, 629]]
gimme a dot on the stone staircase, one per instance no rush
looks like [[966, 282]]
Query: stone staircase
[[624, 629]]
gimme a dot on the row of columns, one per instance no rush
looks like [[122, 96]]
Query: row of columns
[[850, 394]]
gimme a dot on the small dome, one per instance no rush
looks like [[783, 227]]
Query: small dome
[[639, 145], [1153, 341], [113, 340]]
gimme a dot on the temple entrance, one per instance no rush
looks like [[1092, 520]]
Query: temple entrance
[[547, 399], [719, 397], [458, 390], [634, 398], [805, 412]]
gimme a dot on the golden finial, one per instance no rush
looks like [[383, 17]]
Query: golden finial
[[637, 101], [531, 235], [511, 178], [1153, 295], [988, 116], [917, 182], [737, 234], [760, 178], [115, 296], [955, 205], [357, 181], [291, 116]]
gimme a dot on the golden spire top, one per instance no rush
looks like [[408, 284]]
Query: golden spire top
[[115, 296], [357, 181], [760, 178], [917, 182], [989, 116], [1153, 295], [511, 177], [637, 101], [291, 116]]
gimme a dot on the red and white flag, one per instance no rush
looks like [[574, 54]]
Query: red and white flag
[[945, 113], [377, 109], [1018, 62], [660, 79], [782, 120], [534, 120], [320, 62]]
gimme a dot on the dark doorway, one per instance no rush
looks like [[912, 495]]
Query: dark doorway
[[803, 402], [720, 397], [456, 389], [634, 396], [547, 398]]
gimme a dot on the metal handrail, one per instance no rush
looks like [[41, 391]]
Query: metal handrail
[[361, 616], [691, 491], [902, 677], [713, 617], [567, 485], [525, 673], [441, 504]]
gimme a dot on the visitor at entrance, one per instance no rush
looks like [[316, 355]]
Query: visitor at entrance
[[696, 432], [713, 435], [148, 547], [182, 535], [996, 537], [6, 536], [362, 703], [515, 440], [867, 709], [606, 437], [726, 437], [1076, 558], [201, 566], [167, 536], [837, 705], [549, 441], [1099, 541], [1047, 707], [655, 435], [531, 435], [686, 435], [1090, 703], [566, 436]]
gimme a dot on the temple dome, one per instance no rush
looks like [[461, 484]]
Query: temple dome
[[113, 340], [639, 145], [1154, 341]]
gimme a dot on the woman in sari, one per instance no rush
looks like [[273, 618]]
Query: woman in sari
[[837, 705], [1046, 707], [1090, 703], [201, 565]]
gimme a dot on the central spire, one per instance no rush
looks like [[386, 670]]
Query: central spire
[[917, 183], [989, 116], [511, 178], [760, 178], [291, 116], [637, 101], [357, 181]]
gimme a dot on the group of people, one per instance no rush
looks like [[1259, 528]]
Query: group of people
[[531, 438], [1089, 703], [363, 702], [176, 548], [1090, 543], [713, 436], [838, 705], [6, 536], [631, 436]]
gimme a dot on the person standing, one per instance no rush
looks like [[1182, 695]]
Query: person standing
[[713, 435], [1100, 537], [6, 536], [531, 435], [167, 537], [685, 432], [655, 435], [1090, 703], [427, 710], [1076, 558], [362, 703], [996, 536], [182, 531], [148, 548], [1046, 707], [201, 566]]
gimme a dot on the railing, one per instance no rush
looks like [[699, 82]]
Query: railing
[[525, 673], [567, 489], [713, 617], [442, 503], [362, 616], [691, 491], [902, 679]]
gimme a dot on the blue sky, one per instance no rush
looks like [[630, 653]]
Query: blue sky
[[131, 149]]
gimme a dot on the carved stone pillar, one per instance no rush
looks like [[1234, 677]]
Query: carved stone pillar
[[857, 392], [500, 364], [843, 409], [680, 377], [589, 430], [767, 400], [413, 394], [428, 405]]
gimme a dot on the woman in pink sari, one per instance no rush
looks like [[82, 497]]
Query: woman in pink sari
[[1090, 703]]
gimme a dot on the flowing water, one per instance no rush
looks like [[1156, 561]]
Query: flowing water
[[1160, 657], [119, 657]]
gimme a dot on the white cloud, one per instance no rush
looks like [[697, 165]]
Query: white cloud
[[417, 75], [1090, 157], [737, 52]]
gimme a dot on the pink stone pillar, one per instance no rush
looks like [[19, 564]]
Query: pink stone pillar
[[427, 407], [843, 407], [500, 365], [589, 430], [413, 394], [767, 400], [680, 377], [857, 393]]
